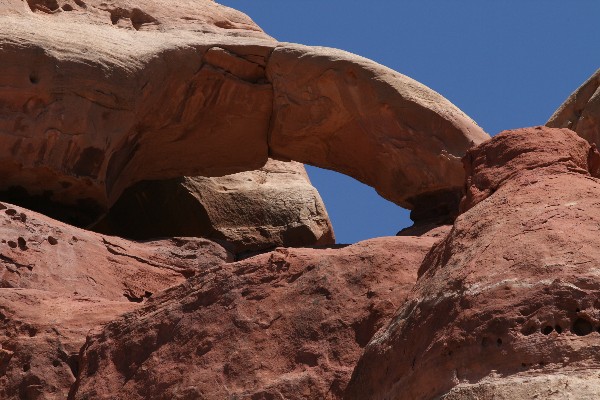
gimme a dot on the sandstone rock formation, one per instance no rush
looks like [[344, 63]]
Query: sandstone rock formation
[[102, 101], [506, 306], [96, 96], [287, 324], [250, 211], [581, 111], [340, 111], [41, 333], [57, 282]]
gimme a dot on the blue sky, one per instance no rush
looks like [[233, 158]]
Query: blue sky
[[507, 64]]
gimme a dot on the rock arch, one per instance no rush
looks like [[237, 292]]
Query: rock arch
[[89, 107]]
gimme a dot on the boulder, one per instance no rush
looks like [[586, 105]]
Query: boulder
[[57, 282], [248, 211], [96, 96], [285, 324], [581, 111], [506, 306]]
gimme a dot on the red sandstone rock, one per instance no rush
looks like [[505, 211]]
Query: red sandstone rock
[[506, 306], [99, 95], [41, 333], [57, 282], [250, 211], [287, 324], [581, 111], [39, 253]]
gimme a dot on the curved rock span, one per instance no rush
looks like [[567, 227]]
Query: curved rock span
[[95, 96], [506, 306]]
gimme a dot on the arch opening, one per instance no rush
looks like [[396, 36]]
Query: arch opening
[[356, 210]]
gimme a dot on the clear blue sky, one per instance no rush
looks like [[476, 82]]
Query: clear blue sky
[[507, 64]]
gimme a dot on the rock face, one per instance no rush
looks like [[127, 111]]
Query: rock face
[[97, 96], [287, 324], [194, 16], [40, 253], [57, 282], [250, 211], [506, 306], [41, 333], [581, 111]]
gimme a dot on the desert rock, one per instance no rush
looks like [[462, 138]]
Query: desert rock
[[248, 211], [41, 333], [97, 96], [340, 111], [39, 253], [57, 282], [506, 306], [285, 324], [581, 111]]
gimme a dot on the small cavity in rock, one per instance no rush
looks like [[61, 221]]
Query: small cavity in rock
[[547, 330], [582, 327]]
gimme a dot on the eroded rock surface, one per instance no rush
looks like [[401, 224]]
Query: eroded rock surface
[[57, 282], [41, 333], [581, 111], [39, 253], [286, 324], [97, 96], [250, 211], [506, 306]]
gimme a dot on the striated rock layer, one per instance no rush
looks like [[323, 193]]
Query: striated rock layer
[[581, 111], [57, 282], [249, 211], [96, 96], [287, 324], [506, 306]]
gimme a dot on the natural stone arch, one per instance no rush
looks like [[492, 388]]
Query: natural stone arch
[[171, 100]]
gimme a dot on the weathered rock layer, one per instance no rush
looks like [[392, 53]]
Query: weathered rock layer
[[287, 324], [506, 306], [57, 282]]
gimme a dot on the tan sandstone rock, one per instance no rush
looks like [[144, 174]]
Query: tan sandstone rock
[[96, 96], [286, 324], [249, 211], [581, 111], [506, 306], [57, 282], [340, 111]]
